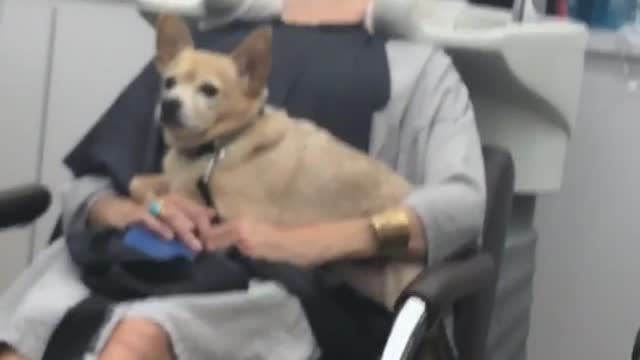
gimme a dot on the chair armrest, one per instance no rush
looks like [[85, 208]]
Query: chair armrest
[[452, 281], [23, 204], [432, 290]]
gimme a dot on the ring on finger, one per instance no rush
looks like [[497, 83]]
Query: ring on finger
[[156, 208]]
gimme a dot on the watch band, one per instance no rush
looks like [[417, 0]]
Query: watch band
[[392, 232]]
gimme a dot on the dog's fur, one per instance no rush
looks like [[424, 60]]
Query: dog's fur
[[276, 169]]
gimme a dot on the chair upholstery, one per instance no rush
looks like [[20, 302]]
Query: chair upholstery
[[473, 314], [468, 282]]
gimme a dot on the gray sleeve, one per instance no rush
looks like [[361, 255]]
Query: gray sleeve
[[79, 196], [451, 202]]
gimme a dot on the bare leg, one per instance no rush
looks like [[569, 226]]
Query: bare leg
[[12, 356], [137, 339], [7, 353]]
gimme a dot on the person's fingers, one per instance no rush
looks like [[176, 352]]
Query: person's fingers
[[157, 226], [220, 237], [191, 208], [200, 215], [213, 237], [183, 227], [203, 228]]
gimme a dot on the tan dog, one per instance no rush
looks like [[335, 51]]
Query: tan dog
[[275, 169]]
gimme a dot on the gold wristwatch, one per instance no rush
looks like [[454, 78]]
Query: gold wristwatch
[[391, 231]]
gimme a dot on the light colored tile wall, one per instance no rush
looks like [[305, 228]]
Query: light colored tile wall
[[587, 295], [24, 49], [98, 49]]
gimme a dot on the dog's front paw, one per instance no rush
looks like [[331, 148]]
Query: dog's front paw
[[144, 188]]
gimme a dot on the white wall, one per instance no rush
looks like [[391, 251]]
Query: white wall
[[62, 64], [587, 294], [98, 49], [24, 49]]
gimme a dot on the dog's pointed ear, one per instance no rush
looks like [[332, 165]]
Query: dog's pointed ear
[[172, 37], [253, 60]]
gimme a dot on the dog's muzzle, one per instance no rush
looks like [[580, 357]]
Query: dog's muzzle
[[170, 113]]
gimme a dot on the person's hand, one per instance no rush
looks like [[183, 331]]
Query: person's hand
[[120, 213], [257, 241], [264, 242], [187, 218], [181, 217]]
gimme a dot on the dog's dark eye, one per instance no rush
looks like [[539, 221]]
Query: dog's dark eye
[[208, 90], [169, 83]]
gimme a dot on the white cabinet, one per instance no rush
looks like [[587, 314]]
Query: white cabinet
[[97, 50], [586, 292]]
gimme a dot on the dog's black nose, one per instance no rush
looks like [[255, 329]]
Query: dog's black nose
[[170, 112]]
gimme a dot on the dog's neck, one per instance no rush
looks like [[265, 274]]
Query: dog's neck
[[220, 142], [266, 133]]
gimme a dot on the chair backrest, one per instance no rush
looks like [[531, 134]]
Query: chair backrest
[[473, 314]]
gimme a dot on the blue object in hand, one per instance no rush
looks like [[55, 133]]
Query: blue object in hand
[[150, 244]]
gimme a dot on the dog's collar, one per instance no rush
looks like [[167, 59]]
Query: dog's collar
[[216, 151], [213, 147], [218, 144], [199, 151]]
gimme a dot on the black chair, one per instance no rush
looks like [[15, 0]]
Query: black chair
[[465, 284], [635, 352], [21, 205]]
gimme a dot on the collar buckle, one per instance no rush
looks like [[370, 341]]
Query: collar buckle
[[203, 182]]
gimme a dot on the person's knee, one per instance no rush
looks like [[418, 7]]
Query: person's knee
[[8, 353], [11, 356], [138, 339]]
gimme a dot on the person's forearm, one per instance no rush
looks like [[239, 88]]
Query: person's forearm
[[355, 239], [78, 198], [352, 239]]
